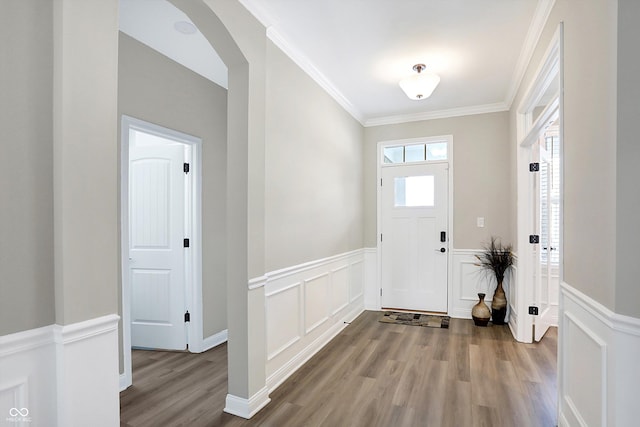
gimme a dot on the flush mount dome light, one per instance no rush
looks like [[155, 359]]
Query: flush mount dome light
[[421, 85], [185, 27]]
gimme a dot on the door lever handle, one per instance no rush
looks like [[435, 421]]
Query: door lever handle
[[440, 250]]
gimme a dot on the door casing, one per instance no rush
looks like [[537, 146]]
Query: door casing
[[450, 160], [527, 132], [193, 220]]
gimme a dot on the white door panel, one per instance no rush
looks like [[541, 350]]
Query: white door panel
[[414, 206], [156, 267], [546, 193]]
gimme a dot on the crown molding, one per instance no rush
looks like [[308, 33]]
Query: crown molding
[[541, 14], [282, 42], [258, 11], [308, 67], [439, 114], [539, 20]]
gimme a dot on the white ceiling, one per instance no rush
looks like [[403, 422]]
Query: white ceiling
[[152, 22], [359, 50]]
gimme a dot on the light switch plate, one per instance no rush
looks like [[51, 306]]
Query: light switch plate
[[480, 221]]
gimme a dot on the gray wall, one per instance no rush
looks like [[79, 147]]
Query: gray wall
[[628, 157], [313, 169], [26, 166], [481, 174], [590, 140], [153, 88]]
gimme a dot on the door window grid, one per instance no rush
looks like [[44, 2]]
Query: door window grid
[[411, 153], [550, 206]]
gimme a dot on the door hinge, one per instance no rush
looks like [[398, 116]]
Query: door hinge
[[380, 182], [185, 167], [187, 317], [185, 243], [534, 238], [381, 237], [380, 291], [533, 310], [534, 167]]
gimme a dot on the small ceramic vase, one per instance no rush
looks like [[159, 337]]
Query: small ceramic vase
[[480, 312]]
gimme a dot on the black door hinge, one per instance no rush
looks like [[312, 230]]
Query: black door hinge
[[187, 317], [185, 167], [185, 243], [534, 167], [534, 238], [380, 291]]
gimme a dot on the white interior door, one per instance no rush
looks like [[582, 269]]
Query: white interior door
[[414, 239], [548, 226], [156, 246]]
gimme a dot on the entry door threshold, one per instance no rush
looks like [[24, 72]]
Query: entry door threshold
[[404, 310]]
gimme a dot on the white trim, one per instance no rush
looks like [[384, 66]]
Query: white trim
[[618, 322], [247, 408], [215, 340], [618, 338], [193, 217], [569, 317], [20, 342], [550, 66], [257, 282], [450, 173], [61, 371], [289, 271], [309, 67], [439, 114], [82, 330], [285, 371], [540, 17], [287, 349]]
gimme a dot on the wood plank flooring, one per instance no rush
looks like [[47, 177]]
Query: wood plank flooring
[[371, 374]]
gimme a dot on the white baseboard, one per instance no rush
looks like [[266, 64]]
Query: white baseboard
[[289, 368], [63, 375], [247, 408], [598, 373], [306, 306], [214, 340]]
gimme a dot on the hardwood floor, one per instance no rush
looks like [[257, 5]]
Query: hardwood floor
[[371, 374]]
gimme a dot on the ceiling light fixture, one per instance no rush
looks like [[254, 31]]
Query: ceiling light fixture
[[421, 85], [185, 27]]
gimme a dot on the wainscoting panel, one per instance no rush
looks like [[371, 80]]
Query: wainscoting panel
[[306, 306], [468, 280], [371, 286], [316, 302], [598, 370], [28, 378], [357, 280], [282, 306], [339, 289], [61, 375]]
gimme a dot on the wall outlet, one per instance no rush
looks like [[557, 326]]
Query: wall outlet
[[533, 310], [480, 221]]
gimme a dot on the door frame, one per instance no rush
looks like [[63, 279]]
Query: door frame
[[527, 133], [193, 230], [429, 139]]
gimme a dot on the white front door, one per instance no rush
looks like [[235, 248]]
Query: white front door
[[156, 246], [414, 237]]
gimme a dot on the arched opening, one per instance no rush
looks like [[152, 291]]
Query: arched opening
[[213, 19]]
